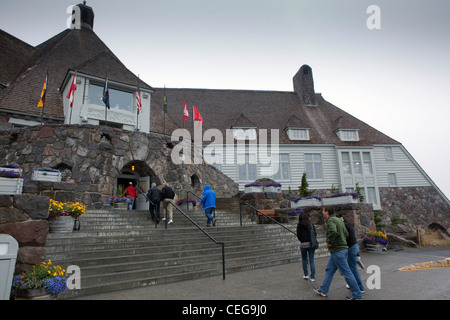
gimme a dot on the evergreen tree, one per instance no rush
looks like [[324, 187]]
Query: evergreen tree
[[303, 189]]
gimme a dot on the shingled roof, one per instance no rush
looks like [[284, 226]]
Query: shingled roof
[[72, 49], [221, 109]]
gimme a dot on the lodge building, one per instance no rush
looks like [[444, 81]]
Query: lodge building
[[335, 149]]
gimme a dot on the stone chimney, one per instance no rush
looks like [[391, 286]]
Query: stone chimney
[[304, 86], [86, 15]]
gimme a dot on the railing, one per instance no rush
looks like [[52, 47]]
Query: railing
[[266, 216], [199, 198], [206, 233]]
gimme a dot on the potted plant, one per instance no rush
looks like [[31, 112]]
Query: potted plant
[[272, 187], [253, 187], [46, 174], [44, 281], [63, 215], [11, 181], [375, 241], [121, 201]]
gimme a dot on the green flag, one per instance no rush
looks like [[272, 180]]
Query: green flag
[[165, 103]]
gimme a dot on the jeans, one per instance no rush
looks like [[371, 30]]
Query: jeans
[[308, 253], [352, 252], [209, 217], [338, 260]]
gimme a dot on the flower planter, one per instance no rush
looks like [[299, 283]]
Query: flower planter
[[61, 224], [121, 206], [252, 189], [11, 185], [306, 203], [34, 294], [339, 200], [52, 176], [272, 189], [373, 247]]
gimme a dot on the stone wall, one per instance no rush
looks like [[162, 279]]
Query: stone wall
[[416, 206], [358, 214], [94, 156], [24, 217]]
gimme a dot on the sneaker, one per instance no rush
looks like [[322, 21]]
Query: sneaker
[[312, 279], [348, 287], [351, 298], [163, 219], [317, 290], [305, 277], [170, 221]]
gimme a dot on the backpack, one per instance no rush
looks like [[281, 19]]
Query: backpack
[[314, 242]]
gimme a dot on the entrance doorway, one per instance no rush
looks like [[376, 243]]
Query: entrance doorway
[[141, 176]]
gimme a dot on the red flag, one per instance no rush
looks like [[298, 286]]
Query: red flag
[[197, 116], [185, 112], [138, 98], [73, 87]]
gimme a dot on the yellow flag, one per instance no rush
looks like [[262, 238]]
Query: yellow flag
[[44, 91]]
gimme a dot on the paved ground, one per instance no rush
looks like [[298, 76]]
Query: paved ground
[[285, 282]]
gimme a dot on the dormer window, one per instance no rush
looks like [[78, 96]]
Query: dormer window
[[348, 134], [244, 133], [298, 134]]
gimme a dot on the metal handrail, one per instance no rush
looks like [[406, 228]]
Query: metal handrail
[[206, 233], [266, 216], [200, 198]]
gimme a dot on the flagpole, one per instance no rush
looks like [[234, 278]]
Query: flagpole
[[137, 109], [165, 107]]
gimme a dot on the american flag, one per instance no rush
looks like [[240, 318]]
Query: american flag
[[138, 98]]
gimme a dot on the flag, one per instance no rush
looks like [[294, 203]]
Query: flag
[[138, 98], [43, 93], [73, 87], [185, 112], [165, 102], [197, 116], [105, 97]]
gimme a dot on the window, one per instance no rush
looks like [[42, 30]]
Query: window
[[283, 168], [367, 163], [244, 134], [246, 167], [357, 162], [118, 100], [346, 166], [371, 195], [298, 134], [348, 135], [313, 164], [388, 153], [392, 179]]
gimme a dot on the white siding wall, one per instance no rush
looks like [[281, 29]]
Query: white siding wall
[[405, 169], [297, 166]]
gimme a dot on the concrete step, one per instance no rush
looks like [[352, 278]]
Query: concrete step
[[118, 249]]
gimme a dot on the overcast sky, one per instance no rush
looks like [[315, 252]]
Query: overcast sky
[[396, 78]]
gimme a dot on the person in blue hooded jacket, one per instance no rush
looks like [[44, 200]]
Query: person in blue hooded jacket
[[208, 203]]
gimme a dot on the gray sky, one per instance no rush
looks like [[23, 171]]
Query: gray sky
[[396, 78]]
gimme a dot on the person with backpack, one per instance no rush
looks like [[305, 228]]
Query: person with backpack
[[307, 235]]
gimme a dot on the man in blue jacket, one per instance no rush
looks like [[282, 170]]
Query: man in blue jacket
[[208, 203]]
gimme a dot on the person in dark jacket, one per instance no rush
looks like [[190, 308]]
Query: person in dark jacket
[[155, 196], [353, 250], [307, 251], [168, 195]]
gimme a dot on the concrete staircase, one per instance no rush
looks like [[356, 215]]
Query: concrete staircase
[[118, 249]]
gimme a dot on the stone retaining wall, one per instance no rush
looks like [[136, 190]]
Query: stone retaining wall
[[24, 217]]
